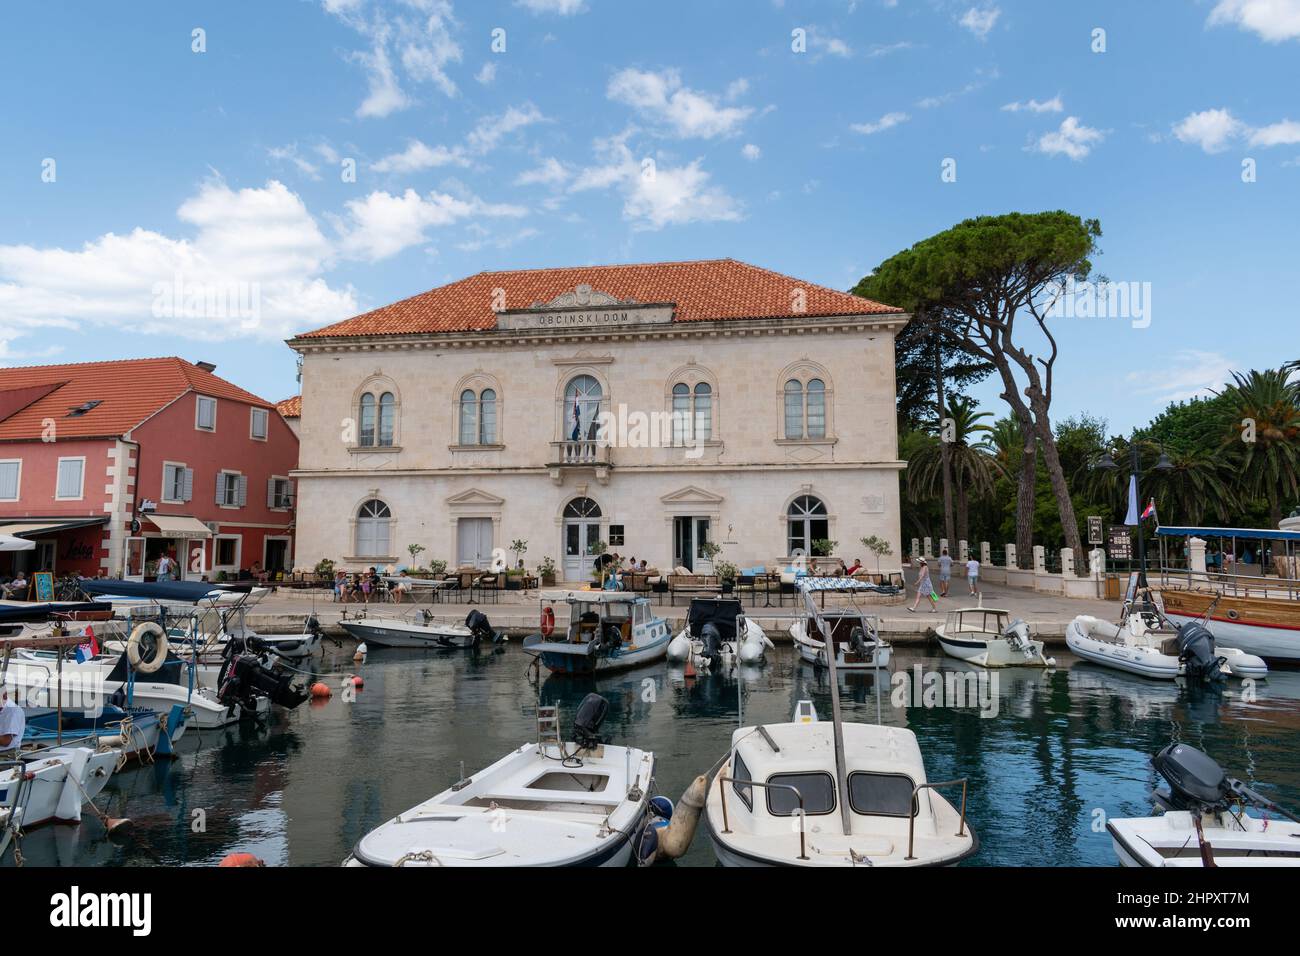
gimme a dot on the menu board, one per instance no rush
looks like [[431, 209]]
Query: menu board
[[1120, 544]]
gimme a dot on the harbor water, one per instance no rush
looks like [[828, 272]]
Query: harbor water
[[1049, 755]]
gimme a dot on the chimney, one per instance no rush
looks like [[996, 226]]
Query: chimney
[[206, 366]]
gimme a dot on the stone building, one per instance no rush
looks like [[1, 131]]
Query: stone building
[[651, 407]]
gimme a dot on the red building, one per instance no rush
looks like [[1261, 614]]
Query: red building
[[109, 465]]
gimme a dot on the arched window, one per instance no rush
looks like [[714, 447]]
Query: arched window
[[387, 412], [692, 413], [806, 522], [373, 523], [478, 417], [581, 406], [703, 411], [582, 508], [805, 409], [367, 419], [681, 413]]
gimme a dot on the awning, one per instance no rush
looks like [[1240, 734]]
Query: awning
[[31, 526], [1253, 534], [180, 526]]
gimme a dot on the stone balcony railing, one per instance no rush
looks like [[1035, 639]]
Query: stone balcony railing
[[582, 453]]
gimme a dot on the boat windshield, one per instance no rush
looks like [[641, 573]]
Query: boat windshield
[[881, 794]]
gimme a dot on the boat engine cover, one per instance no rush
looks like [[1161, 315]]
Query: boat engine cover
[[1195, 780], [586, 723], [711, 641], [479, 626], [1196, 649]]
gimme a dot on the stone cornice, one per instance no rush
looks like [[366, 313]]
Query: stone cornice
[[341, 473], [518, 338]]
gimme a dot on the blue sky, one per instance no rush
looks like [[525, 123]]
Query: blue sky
[[224, 167]]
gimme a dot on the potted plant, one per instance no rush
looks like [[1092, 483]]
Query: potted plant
[[877, 546], [546, 571], [325, 568], [821, 548], [520, 547], [710, 550], [726, 572], [596, 549], [438, 568]]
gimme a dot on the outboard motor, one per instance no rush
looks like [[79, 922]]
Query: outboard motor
[[480, 627], [244, 678], [858, 641], [587, 722], [1196, 783], [313, 626], [1196, 652], [711, 641]]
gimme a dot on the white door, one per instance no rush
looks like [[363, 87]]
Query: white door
[[581, 531], [474, 536]]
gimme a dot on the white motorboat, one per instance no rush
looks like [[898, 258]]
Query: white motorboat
[[718, 635], [777, 798], [1138, 647], [990, 638], [550, 803], [854, 634], [607, 631], [1205, 821], [422, 630], [55, 783]]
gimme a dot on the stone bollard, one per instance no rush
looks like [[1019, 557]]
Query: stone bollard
[[916, 549], [963, 551], [1040, 559], [986, 553], [1067, 562], [1011, 557], [943, 545], [927, 552], [1196, 556]]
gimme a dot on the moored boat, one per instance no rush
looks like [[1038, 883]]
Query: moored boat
[[990, 638], [1135, 646], [718, 635], [854, 634], [55, 783], [421, 630], [607, 631]]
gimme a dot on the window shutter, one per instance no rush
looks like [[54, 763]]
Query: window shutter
[[221, 488], [242, 491], [169, 481], [188, 491], [270, 493], [9, 480]]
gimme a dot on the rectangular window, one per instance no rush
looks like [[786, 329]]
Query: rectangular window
[[881, 794], [279, 493], [71, 473], [178, 483], [226, 553], [257, 424], [740, 772], [793, 412], [232, 489], [205, 413], [817, 790], [616, 535], [10, 471]]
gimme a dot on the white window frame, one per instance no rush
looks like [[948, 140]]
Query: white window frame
[[225, 472], [198, 403], [266, 424], [162, 495], [18, 483], [81, 491], [239, 551]]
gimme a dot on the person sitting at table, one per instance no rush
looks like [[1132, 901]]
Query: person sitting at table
[[340, 585], [17, 588], [855, 568], [397, 590]]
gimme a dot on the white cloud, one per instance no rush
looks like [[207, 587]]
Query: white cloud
[[490, 130], [1188, 374], [888, 121], [656, 195], [417, 156], [487, 73], [980, 21], [1072, 139], [563, 8], [382, 224], [1274, 20], [262, 239], [1054, 105], [1217, 129], [661, 98], [290, 154], [751, 152], [418, 36], [550, 173]]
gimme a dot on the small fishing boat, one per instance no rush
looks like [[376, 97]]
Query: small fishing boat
[[776, 799], [549, 803], [717, 635], [1206, 820], [55, 783], [137, 733], [1139, 644], [607, 631], [854, 634], [990, 638], [421, 630]]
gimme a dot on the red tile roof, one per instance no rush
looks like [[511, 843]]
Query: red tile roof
[[290, 407], [706, 290], [128, 392]]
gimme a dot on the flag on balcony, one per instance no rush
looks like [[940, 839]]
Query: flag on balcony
[[577, 420]]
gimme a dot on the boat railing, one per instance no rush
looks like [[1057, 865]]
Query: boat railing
[[1231, 583], [726, 825], [935, 785]]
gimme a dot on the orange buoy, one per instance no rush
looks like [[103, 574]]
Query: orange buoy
[[240, 859], [548, 621], [690, 665], [320, 689], [357, 682]]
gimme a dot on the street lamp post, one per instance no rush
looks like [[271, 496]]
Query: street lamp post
[[1107, 463]]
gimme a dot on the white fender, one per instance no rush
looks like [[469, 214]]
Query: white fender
[[679, 648], [133, 647], [68, 809], [675, 839]]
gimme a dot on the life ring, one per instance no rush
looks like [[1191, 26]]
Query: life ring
[[142, 633], [548, 621]]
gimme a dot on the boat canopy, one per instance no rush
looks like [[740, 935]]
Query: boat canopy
[[1258, 534], [577, 596], [720, 612], [184, 592], [843, 584]]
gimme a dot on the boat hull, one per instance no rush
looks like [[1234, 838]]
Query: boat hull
[[63, 780], [814, 652], [377, 633], [994, 652], [560, 657], [1267, 627]]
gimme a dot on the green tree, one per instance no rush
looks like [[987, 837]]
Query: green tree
[[1261, 421]]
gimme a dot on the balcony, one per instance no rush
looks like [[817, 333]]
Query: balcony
[[583, 453]]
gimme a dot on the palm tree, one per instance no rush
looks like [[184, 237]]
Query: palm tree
[[1262, 431], [973, 465]]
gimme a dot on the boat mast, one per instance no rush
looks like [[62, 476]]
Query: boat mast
[[837, 727]]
